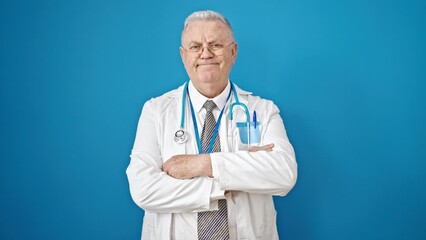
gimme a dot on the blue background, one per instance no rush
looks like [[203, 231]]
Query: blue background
[[349, 77]]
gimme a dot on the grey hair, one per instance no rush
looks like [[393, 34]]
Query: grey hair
[[207, 15]]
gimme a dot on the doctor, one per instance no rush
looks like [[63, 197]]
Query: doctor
[[209, 185]]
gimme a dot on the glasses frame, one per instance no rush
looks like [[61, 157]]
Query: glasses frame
[[209, 48]]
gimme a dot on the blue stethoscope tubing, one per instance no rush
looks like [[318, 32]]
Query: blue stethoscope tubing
[[185, 92]]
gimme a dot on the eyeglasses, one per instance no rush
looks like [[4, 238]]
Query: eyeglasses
[[215, 48]]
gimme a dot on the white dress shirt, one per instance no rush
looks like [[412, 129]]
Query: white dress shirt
[[198, 101]]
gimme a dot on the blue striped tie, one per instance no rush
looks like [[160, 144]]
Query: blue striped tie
[[212, 225]]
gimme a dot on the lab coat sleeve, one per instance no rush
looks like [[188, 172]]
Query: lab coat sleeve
[[262, 172], [151, 188]]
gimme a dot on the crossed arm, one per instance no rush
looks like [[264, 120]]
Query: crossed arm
[[187, 166], [261, 170]]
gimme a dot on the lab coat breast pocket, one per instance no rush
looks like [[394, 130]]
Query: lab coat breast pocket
[[246, 135]]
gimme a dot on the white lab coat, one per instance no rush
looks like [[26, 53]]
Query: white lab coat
[[251, 178]]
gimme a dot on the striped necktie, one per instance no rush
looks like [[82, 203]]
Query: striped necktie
[[212, 225]]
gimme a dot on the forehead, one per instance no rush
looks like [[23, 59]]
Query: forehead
[[206, 31]]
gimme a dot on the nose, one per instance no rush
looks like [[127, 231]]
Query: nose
[[206, 53]]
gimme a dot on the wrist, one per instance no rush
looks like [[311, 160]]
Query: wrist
[[207, 165]]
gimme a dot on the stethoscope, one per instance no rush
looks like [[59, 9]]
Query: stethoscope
[[181, 136]]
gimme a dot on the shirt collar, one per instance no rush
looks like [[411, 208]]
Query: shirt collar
[[198, 99]]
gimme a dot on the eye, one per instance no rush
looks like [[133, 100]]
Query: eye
[[216, 46], [194, 48]]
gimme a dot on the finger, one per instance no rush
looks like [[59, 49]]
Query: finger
[[267, 147], [271, 145]]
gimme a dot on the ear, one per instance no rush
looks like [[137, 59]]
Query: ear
[[181, 51], [234, 51]]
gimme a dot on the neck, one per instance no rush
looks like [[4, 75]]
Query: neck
[[210, 90]]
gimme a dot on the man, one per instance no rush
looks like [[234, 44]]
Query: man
[[211, 184]]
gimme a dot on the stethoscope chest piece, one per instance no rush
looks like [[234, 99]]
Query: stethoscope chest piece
[[181, 136]]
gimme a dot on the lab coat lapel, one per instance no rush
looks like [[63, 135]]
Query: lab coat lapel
[[172, 124], [242, 94]]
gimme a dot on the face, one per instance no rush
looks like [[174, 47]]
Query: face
[[212, 64]]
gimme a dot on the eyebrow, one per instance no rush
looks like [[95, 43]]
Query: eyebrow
[[199, 43]]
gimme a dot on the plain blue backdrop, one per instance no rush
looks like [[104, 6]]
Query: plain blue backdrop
[[348, 76]]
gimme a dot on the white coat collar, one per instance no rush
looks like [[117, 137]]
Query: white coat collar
[[177, 93]]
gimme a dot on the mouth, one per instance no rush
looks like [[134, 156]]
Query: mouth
[[207, 64]]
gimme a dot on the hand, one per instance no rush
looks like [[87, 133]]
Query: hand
[[188, 166], [267, 147]]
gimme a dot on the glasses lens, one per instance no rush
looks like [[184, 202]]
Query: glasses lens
[[215, 48]]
